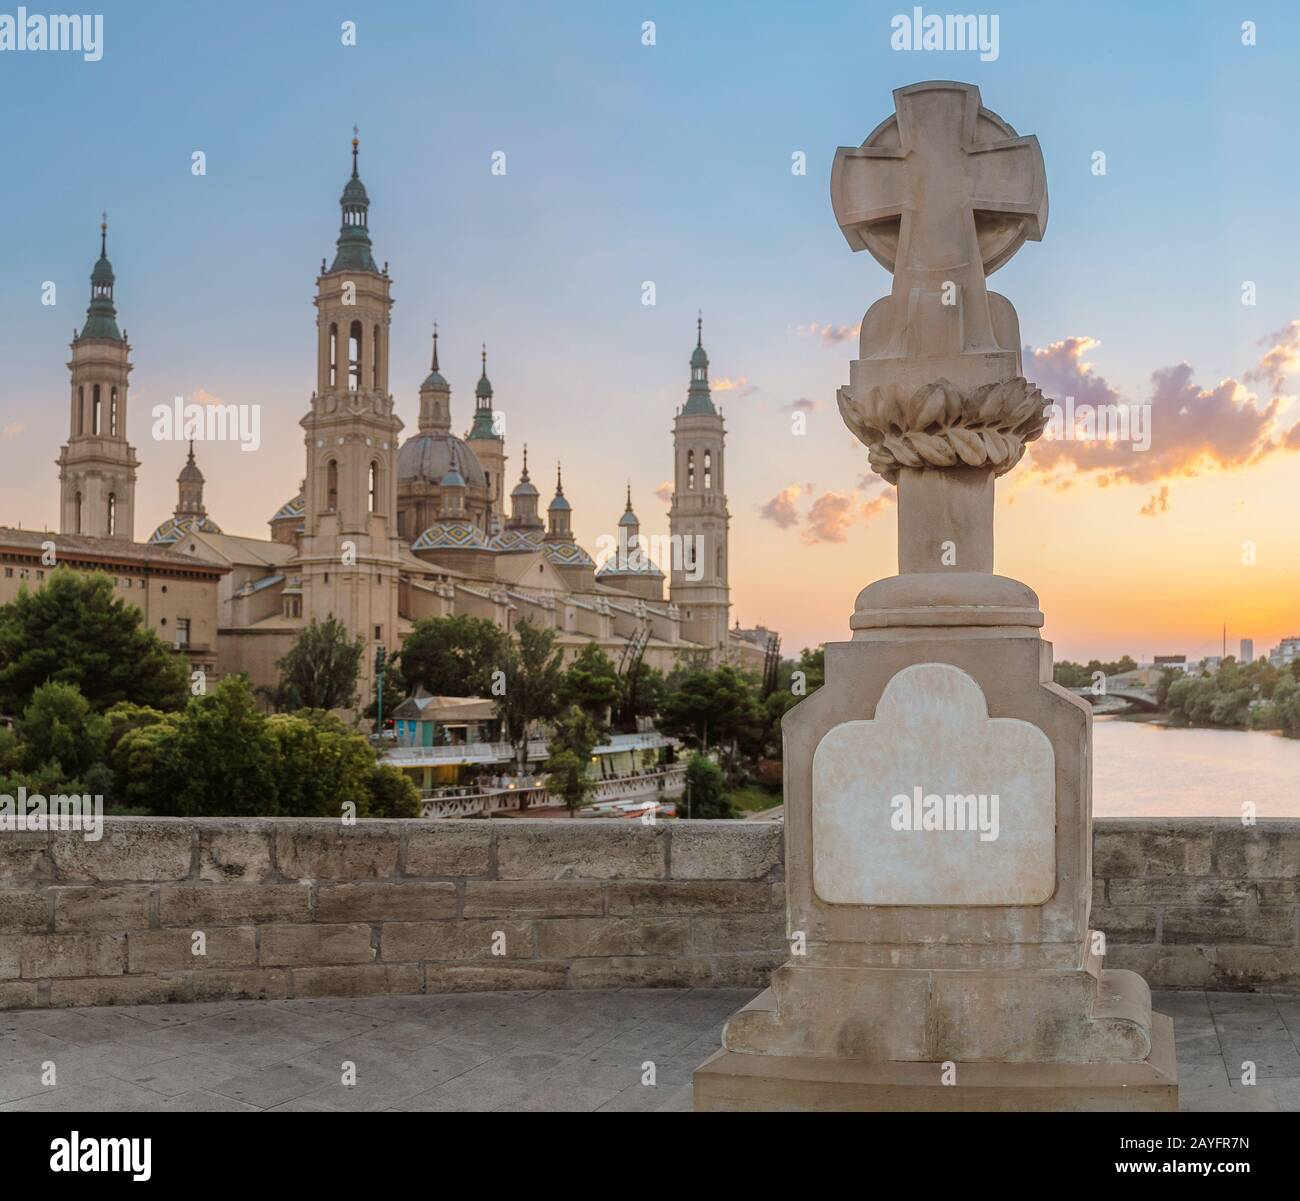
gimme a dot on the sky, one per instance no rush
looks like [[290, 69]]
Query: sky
[[671, 162]]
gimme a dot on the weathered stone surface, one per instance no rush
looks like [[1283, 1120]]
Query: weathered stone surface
[[1180, 890], [255, 984], [290, 946], [639, 971], [357, 980], [404, 941], [1270, 850], [1174, 967], [413, 901], [137, 849], [173, 950], [579, 938], [595, 849], [1125, 923], [694, 896], [23, 910], [724, 850], [121, 907], [24, 856], [1255, 966], [1274, 926], [18, 994], [753, 932], [119, 990], [1124, 847], [235, 853], [747, 969], [10, 957], [448, 848], [493, 977], [530, 898], [333, 851], [200, 905], [45, 955]]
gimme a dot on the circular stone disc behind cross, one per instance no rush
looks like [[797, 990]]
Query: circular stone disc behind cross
[[955, 109]]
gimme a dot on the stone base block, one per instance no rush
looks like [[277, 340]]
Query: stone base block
[[732, 1082]]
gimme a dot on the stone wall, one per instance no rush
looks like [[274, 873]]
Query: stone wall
[[294, 908]]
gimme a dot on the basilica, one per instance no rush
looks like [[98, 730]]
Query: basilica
[[384, 531]]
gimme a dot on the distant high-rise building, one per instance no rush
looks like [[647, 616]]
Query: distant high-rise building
[[1285, 651], [1247, 651]]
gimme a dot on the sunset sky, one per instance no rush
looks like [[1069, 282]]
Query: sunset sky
[[671, 163]]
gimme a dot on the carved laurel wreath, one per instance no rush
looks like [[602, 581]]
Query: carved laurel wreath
[[938, 426]]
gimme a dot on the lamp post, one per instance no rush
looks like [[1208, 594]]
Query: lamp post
[[380, 658]]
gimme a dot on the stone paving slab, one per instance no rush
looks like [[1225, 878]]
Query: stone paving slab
[[507, 1051]]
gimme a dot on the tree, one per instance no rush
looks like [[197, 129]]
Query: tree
[[60, 727], [392, 794], [319, 765], [569, 779], [454, 656], [320, 671], [532, 679], [712, 707], [592, 683], [706, 790], [76, 630], [644, 689]]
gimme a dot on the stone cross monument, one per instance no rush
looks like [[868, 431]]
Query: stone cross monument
[[938, 791]]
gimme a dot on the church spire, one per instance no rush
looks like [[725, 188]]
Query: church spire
[[698, 397], [354, 234], [101, 313], [484, 425]]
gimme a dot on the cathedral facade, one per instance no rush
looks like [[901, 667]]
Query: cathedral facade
[[384, 531]]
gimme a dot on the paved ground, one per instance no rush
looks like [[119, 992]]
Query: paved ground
[[576, 1051]]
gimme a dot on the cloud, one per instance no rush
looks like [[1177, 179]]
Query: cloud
[[830, 517], [665, 492], [831, 335], [206, 398], [1191, 428], [802, 405], [780, 509], [1280, 360], [723, 384], [12, 430], [1159, 503]]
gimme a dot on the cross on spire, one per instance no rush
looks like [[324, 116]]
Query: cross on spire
[[103, 234], [435, 346], [356, 142], [699, 327]]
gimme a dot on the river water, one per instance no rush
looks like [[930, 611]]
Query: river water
[[1145, 770]]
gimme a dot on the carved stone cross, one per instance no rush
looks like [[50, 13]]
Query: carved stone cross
[[942, 193]]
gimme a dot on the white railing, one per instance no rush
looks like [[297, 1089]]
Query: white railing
[[469, 802], [644, 784]]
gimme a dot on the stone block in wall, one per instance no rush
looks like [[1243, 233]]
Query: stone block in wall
[[202, 905], [315, 945], [1180, 890], [493, 977], [413, 901], [1256, 966], [406, 941], [638, 971], [24, 856], [120, 990], [534, 898], [1125, 923], [580, 849], [173, 950], [578, 938], [252, 984], [693, 896], [448, 848], [1267, 851], [236, 852], [22, 909], [18, 994], [357, 980], [138, 849], [10, 957], [1262, 925], [745, 969], [1165, 966], [1126, 847], [727, 850], [106, 907], [749, 932], [332, 851], [47, 955]]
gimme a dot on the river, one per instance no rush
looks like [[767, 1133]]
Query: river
[[1146, 770]]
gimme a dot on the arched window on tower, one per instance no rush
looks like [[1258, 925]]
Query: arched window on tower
[[331, 486], [112, 514], [690, 469], [373, 488], [94, 410], [354, 357], [81, 408], [112, 413], [374, 360], [334, 355], [77, 515], [708, 469]]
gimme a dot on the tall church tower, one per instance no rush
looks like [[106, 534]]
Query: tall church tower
[[97, 465], [349, 555], [698, 518], [489, 448]]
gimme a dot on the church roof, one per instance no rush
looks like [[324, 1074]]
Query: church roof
[[175, 528], [427, 457], [515, 542], [291, 508], [353, 253], [451, 535], [567, 554]]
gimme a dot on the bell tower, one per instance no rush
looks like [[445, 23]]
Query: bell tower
[[97, 464], [698, 518], [349, 555]]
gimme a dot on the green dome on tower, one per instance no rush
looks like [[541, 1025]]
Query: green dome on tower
[[354, 234], [101, 314], [698, 398]]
